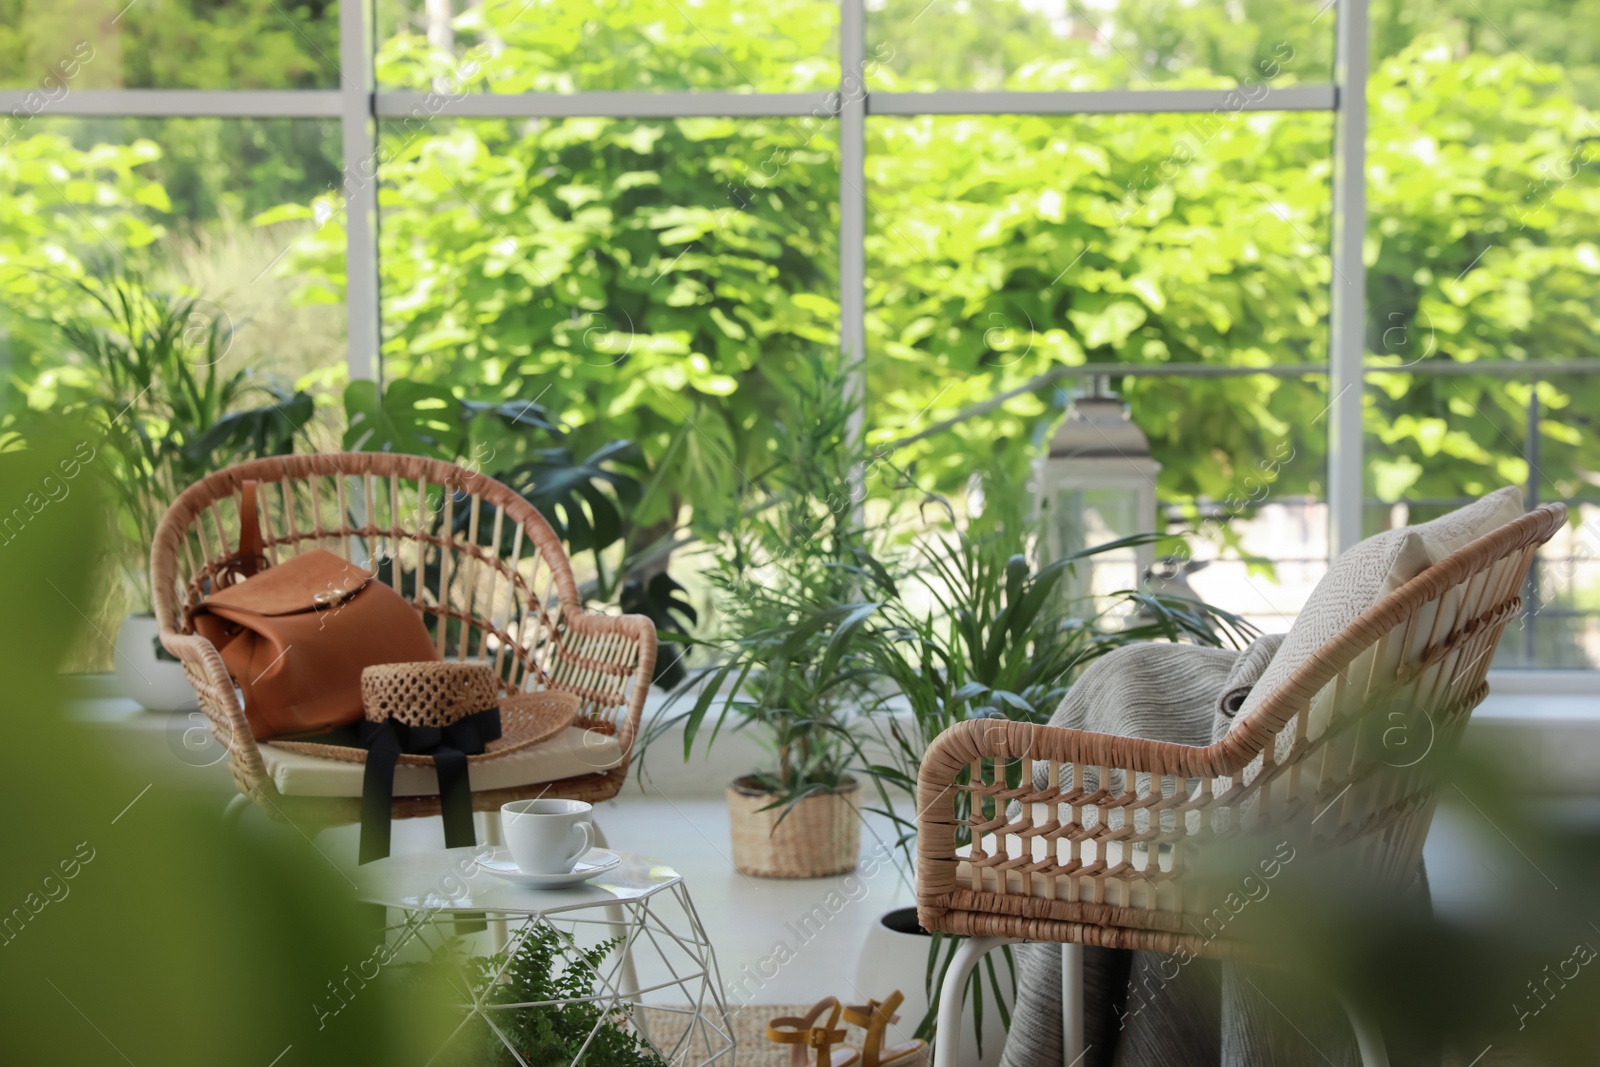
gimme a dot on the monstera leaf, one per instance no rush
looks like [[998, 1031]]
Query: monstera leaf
[[268, 430], [658, 601], [519, 415], [585, 500], [410, 417]]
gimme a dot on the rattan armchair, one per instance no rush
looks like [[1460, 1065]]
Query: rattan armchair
[[480, 564], [1109, 859]]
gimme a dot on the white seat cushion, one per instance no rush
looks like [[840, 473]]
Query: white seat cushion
[[572, 752]]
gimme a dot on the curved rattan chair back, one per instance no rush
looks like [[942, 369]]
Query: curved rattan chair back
[[482, 566], [1343, 755]]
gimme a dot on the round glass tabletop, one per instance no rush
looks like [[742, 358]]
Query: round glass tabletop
[[450, 880]]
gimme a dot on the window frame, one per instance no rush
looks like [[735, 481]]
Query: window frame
[[360, 105]]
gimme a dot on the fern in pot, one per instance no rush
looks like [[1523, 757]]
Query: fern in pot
[[795, 590]]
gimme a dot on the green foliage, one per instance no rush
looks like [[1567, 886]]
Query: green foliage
[[1009, 246], [223, 169], [1156, 43], [553, 46], [407, 417], [823, 615], [60, 205], [541, 257], [549, 965], [627, 273], [658, 281], [141, 928], [795, 580], [169, 401], [174, 44], [1508, 274], [590, 502]]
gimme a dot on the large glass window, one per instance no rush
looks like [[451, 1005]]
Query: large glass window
[[1074, 46], [638, 278], [169, 205], [1000, 247], [556, 46], [1483, 196], [641, 214], [56, 48]]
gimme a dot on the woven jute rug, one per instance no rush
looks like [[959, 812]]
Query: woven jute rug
[[749, 1025], [754, 1050]]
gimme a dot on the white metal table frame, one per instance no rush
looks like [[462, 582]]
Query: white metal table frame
[[438, 888]]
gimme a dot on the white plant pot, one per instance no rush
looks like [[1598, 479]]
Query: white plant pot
[[154, 684], [895, 956]]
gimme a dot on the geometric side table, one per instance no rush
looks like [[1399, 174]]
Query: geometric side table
[[642, 901]]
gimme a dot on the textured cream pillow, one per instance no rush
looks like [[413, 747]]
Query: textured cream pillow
[[1450, 533], [1357, 580], [1367, 573]]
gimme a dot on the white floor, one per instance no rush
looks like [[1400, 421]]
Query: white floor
[[796, 941], [777, 941], [783, 941]]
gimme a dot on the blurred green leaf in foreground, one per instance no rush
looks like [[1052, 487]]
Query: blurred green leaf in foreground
[[134, 926]]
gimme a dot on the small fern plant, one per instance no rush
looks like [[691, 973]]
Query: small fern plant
[[549, 966]]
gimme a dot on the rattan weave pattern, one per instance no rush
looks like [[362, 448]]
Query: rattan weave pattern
[[477, 560], [1082, 864], [426, 694]]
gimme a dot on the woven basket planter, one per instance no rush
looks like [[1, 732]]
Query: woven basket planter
[[820, 836]]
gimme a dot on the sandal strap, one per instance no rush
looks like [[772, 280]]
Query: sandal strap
[[822, 1038], [794, 1033], [865, 1015], [815, 1036], [874, 1017], [806, 1029]]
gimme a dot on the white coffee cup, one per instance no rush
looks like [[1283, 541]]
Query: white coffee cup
[[547, 836]]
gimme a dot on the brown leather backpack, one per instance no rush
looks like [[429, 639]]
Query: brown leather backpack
[[296, 636]]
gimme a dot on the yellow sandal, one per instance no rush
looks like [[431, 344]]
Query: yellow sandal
[[804, 1032], [874, 1017]]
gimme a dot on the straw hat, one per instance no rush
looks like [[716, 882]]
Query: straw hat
[[439, 694]]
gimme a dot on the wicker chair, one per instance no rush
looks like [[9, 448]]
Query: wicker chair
[[1114, 865], [479, 563]]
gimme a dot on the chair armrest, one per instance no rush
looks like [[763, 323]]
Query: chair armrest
[[966, 743], [966, 746], [608, 662], [219, 699]]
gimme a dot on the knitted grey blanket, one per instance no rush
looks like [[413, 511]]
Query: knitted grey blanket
[[1136, 1013]]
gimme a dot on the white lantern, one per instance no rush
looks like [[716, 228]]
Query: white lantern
[[1097, 483]]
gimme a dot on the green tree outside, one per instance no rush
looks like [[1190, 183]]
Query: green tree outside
[[658, 279]]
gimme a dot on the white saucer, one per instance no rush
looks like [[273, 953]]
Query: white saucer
[[594, 862]]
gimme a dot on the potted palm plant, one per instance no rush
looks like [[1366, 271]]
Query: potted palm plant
[[1000, 637], [793, 592], [172, 402]]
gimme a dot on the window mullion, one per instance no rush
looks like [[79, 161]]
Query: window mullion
[[357, 118], [1348, 281], [853, 197]]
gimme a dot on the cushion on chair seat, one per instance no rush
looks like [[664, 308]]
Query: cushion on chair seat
[[573, 752]]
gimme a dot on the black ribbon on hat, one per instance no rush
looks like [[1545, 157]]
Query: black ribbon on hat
[[449, 746]]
